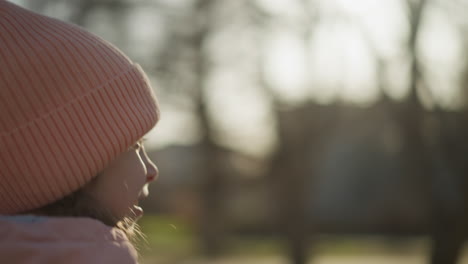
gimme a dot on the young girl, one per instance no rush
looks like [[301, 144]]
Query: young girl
[[73, 110]]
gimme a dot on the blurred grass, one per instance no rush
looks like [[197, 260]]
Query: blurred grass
[[172, 240], [369, 245], [166, 235]]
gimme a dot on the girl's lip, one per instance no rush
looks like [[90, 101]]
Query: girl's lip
[[137, 211], [143, 193]]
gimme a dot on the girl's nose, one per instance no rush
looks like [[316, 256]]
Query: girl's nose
[[152, 171]]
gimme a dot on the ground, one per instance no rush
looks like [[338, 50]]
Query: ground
[[171, 241]]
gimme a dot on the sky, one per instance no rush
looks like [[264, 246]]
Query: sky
[[336, 63]]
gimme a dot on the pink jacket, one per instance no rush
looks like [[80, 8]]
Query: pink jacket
[[28, 239]]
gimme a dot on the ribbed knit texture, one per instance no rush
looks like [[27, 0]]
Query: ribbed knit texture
[[70, 103]]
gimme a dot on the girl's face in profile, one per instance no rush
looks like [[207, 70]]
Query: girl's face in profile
[[120, 186]]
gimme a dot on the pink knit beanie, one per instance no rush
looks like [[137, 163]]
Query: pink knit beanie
[[70, 103]]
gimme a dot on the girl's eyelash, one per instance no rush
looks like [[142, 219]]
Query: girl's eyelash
[[139, 144]]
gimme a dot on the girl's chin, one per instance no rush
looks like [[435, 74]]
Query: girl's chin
[[137, 211]]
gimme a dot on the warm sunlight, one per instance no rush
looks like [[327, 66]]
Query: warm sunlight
[[341, 60], [339, 57]]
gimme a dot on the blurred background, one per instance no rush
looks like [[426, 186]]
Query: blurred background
[[299, 131]]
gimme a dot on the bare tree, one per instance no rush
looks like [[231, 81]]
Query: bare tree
[[433, 159]]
